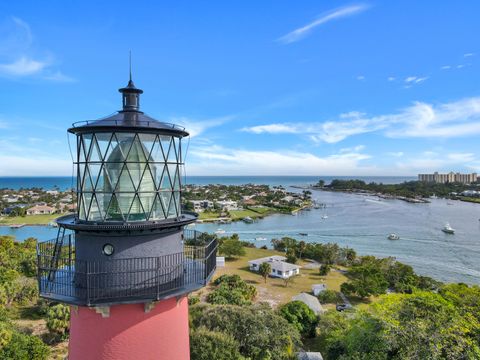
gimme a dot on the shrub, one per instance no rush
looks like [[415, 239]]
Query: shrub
[[231, 289], [193, 299], [301, 316], [328, 297], [20, 346], [231, 247], [261, 333], [324, 269], [209, 345], [58, 320]]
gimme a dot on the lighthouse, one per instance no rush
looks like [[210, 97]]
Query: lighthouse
[[125, 261]]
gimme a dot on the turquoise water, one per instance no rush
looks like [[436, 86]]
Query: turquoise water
[[66, 182], [358, 221]]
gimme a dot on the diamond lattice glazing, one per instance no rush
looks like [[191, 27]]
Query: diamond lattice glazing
[[128, 176]]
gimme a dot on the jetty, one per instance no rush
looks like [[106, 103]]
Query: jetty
[[17, 226]]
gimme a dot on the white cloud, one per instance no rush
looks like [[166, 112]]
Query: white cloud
[[196, 127], [430, 161], [468, 54], [20, 58], [396, 154], [274, 129], [360, 77], [415, 79], [58, 76], [22, 67], [454, 119], [226, 161], [338, 13], [34, 166], [460, 66], [446, 67], [391, 78]]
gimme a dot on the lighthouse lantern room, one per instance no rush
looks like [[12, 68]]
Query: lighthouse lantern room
[[125, 261]]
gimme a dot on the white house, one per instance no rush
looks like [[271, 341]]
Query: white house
[[201, 205], [227, 205], [311, 301], [318, 288], [40, 209], [279, 268]]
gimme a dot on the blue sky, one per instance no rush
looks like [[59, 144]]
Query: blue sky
[[264, 87]]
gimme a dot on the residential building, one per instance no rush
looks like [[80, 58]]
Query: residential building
[[201, 205], [448, 178], [309, 356], [41, 210], [311, 301], [227, 205], [279, 267], [318, 288]]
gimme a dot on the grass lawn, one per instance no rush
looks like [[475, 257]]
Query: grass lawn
[[274, 291], [260, 209], [208, 215], [29, 219], [240, 214]]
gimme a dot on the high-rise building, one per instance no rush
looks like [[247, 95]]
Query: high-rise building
[[449, 178], [125, 262]]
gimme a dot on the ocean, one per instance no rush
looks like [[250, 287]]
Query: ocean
[[361, 222], [67, 182]]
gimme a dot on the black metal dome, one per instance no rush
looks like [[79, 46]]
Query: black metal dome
[[130, 118]]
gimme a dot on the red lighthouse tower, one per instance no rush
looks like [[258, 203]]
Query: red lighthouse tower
[[124, 261]]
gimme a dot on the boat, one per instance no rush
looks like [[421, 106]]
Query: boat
[[220, 231], [260, 238], [247, 220], [303, 234], [393, 236], [325, 217], [447, 229], [16, 226]]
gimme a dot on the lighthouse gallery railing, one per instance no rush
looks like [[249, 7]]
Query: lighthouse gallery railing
[[62, 277]]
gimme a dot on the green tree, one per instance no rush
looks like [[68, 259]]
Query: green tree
[[324, 269], [231, 247], [366, 278], [58, 320], [291, 257], [259, 331], [231, 289], [265, 269], [328, 296], [301, 316], [209, 345]]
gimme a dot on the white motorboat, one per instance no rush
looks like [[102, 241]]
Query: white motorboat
[[447, 229], [260, 238], [325, 217], [220, 231], [393, 236]]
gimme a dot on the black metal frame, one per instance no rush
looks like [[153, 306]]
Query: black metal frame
[[167, 187], [63, 277]]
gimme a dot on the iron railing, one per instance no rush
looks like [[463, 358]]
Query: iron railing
[[63, 277]]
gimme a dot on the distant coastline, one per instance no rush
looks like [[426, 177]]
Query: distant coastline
[[67, 182]]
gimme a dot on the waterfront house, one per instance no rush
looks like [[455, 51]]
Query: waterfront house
[[279, 268], [227, 205], [318, 288], [201, 205], [309, 356], [311, 301], [41, 210]]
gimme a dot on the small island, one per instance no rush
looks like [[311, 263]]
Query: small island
[[247, 202], [410, 191]]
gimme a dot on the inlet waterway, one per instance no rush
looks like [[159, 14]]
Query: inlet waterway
[[363, 222]]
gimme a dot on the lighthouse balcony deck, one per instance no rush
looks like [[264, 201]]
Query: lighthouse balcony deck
[[64, 278]]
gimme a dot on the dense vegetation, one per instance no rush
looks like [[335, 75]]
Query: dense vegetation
[[231, 289], [408, 189], [18, 287], [421, 325], [256, 331]]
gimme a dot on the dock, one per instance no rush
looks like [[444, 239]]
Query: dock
[[17, 226]]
